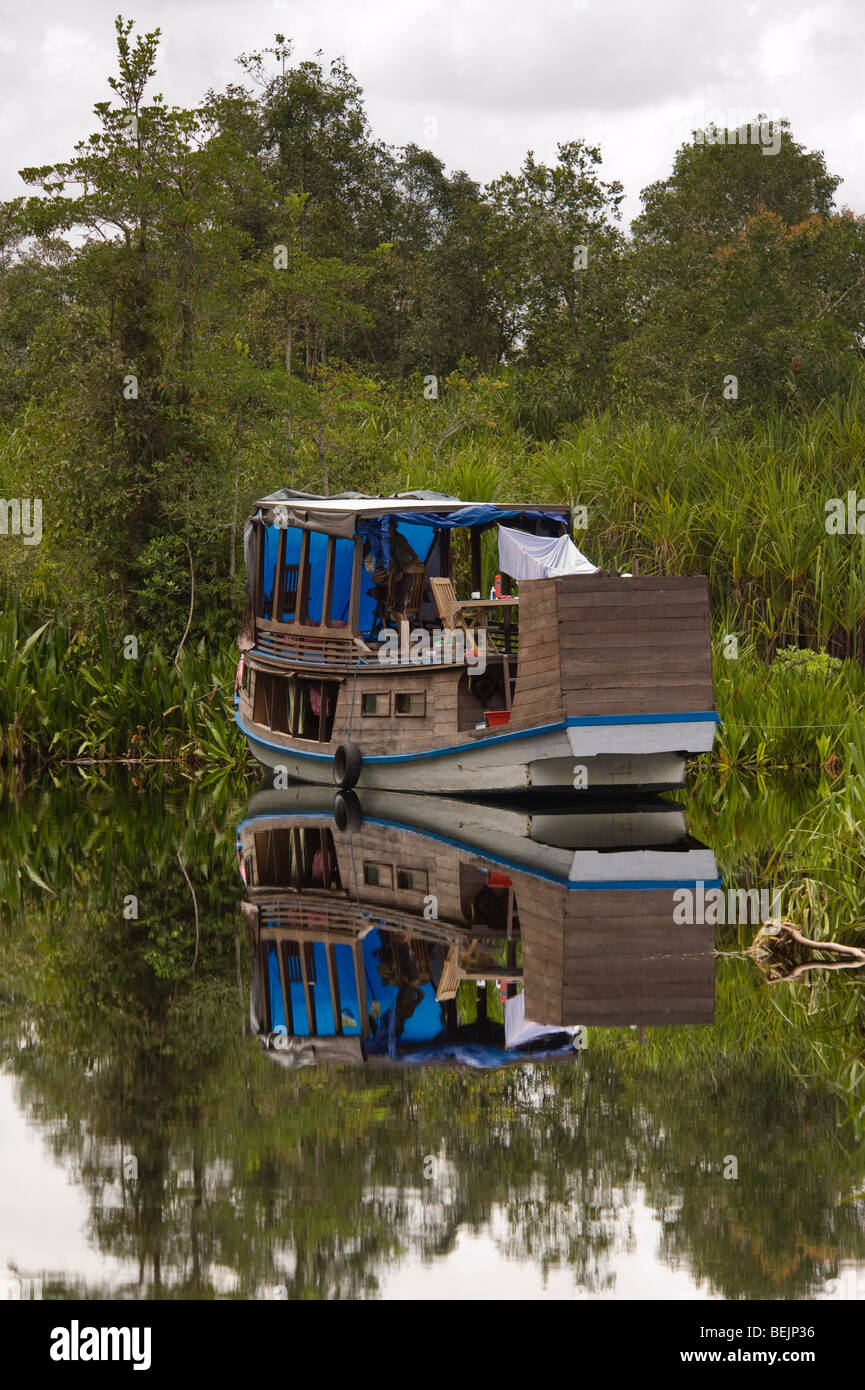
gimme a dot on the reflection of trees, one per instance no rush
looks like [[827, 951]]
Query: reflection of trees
[[250, 1176]]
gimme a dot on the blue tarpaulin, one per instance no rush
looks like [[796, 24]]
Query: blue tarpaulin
[[342, 573], [376, 529], [418, 528]]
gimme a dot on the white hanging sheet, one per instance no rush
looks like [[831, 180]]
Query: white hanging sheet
[[524, 556]]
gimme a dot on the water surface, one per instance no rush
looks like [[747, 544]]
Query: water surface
[[150, 1147]]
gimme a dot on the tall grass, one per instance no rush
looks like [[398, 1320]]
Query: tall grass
[[784, 716], [67, 694], [745, 506]]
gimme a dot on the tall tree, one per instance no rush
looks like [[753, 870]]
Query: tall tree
[[556, 249], [732, 270]]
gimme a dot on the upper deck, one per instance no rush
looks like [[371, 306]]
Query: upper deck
[[327, 574]]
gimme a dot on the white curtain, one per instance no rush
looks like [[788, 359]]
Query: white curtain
[[524, 556]]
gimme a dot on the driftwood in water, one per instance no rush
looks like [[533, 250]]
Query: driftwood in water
[[779, 949]]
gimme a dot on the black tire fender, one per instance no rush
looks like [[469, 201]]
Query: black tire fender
[[347, 812], [347, 762]]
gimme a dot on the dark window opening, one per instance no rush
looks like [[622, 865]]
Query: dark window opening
[[297, 857], [375, 702], [378, 875], [410, 702], [412, 880], [296, 706]]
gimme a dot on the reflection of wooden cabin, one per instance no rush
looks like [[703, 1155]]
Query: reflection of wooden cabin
[[324, 906], [614, 957]]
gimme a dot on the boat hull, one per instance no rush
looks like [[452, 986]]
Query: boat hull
[[646, 754]]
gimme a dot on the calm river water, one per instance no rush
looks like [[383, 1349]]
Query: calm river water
[[151, 1146]]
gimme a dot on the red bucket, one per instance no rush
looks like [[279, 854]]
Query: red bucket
[[494, 717]]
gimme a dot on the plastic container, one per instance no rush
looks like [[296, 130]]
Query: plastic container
[[495, 717]]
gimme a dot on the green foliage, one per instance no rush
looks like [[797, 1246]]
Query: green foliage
[[806, 662], [68, 694]]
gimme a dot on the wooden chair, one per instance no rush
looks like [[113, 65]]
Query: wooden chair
[[446, 602], [450, 976], [452, 613]]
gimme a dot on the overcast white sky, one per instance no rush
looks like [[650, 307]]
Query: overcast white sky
[[497, 76]]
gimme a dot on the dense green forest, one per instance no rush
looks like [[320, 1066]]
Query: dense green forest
[[203, 304]]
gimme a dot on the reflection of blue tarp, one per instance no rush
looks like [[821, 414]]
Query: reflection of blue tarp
[[277, 1012], [426, 1020], [476, 1054]]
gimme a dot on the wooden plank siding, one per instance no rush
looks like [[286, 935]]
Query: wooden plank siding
[[640, 645]]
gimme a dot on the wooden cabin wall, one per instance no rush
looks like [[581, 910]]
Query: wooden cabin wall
[[400, 733], [538, 694], [448, 868], [640, 645], [375, 844]]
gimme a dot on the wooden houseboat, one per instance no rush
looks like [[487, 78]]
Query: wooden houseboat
[[362, 664], [369, 916]]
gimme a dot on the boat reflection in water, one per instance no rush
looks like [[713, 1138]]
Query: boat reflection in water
[[375, 923]]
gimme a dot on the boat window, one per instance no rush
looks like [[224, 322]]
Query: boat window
[[269, 541], [298, 857], [410, 702], [413, 880], [314, 708], [378, 875], [292, 705], [275, 539], [375, 702], [286, 609]]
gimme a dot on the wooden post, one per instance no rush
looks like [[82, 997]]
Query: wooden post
[[357, 572], [475, 536], [264, 982], [284, 986], [258, 596], [445, 553], [302, 579], [307, 988], [360, 982], [512, 945], [333, 981], [327, 596], [279, 578]]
